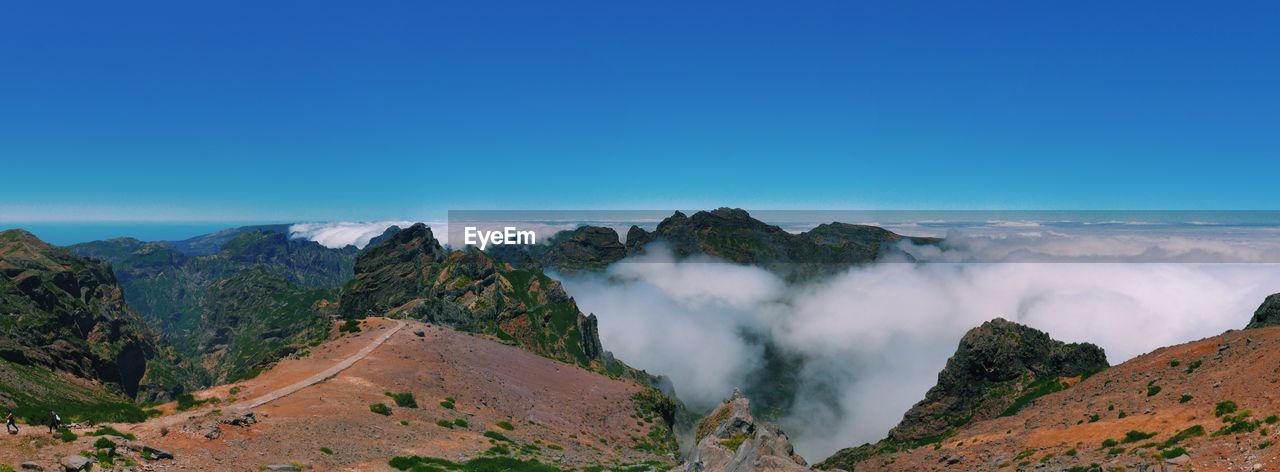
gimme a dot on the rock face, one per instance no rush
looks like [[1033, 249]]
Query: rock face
[[1268, 313], [998, 368], [733, 235], [214, 296], [470, 290], [67, 313], [730, 440]]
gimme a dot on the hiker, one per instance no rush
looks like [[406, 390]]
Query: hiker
[[9, 425], [54, 422]]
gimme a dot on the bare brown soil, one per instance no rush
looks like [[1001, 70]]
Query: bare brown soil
[[572, 416], [1060, 430]]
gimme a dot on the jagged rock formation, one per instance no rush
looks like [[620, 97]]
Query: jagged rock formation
[[1268, 313], [207, 299], [726, 233], [733, 235], [730, 440], [411, 273], [66, 313], [998, 368]]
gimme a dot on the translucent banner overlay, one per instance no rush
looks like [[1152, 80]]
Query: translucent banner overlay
[[846, 237]]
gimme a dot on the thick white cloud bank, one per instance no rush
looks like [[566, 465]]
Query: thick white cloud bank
[[349, 233], [876, 337]]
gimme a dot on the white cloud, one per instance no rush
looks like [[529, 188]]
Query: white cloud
[[877, 336], [344, 233]]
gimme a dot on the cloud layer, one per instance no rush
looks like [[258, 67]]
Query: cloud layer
[[876, 337]]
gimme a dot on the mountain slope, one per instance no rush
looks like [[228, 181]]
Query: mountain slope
[[176, 285], [1268, 313], [60, 313], [997, 369], [1204, 405], [472, 398], [409, 273]]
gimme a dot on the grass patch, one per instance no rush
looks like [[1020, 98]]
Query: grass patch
[[1152, 390], [734, 442], [1194, 431], [1172, 453], [66, 435], [1110, 443], [381, 409], [447, 404], [1193, 366], [1224, 408], [403, 399], [1135, 436], [505, 425], [461, 423], [496, 436], [1184, 398], [109, 431], [327, 451], [444, 424], [483, 464], [1036, 390], [187, 401], [349, 326]]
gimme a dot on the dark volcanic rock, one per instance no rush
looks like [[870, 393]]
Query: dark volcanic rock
[[998, 367], [1268, 313], [733, 235], [67, 313], [730, 439], [470, 290]]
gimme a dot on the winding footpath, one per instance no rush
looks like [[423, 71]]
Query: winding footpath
[[240, 408]]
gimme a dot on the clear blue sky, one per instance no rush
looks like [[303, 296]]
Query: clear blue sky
[[319, 111]]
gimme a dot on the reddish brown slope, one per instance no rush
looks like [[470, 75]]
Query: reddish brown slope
[[1240, 366], [585, 414]]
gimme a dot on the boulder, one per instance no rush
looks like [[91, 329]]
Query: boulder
[[75, 463], [157, 453], [29, 465], [730, 440], [284, 467]]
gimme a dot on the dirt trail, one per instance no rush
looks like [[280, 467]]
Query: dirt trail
[[176, 419]]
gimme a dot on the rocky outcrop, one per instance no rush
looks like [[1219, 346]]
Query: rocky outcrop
[[998, 368], [733, 235], [730, 440], [1268, 313], [412, 274], [67, 313]]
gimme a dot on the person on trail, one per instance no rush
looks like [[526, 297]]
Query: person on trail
[[9, 425], [54, 422]]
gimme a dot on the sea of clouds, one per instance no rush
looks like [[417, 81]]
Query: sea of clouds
[[875, 337]]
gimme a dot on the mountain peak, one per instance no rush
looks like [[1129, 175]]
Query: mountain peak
[[1268, 314]]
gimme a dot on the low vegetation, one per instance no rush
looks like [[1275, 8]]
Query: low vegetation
[[381, 409], [403, 399], [483, 464]]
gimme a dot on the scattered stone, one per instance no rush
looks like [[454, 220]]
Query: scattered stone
[[419, 333], [214, 433], [284, 467], [28, 465], [75, 463], [1183, 459], [157, 453], [245, 419]]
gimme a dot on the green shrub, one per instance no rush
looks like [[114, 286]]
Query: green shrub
[[1188, 433], [444, 424], [1174, 363], [350, 326], [1109, 443], [1271, 419], [1193, 366], [66, 435], [1094, 418], [505, 425], [109, 431], [1135, 436], [1152, 390], [496, 436], [1184, 398], [461, 423], [1263, 445], [187, 401], [104, 443], [403, 399], [1224, 408], [381, 409], [1071, 452], [1115, 451], [447, 403], [326, 451], [1172, 453]]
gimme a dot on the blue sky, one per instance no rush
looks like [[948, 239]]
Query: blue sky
[[282, 111]]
